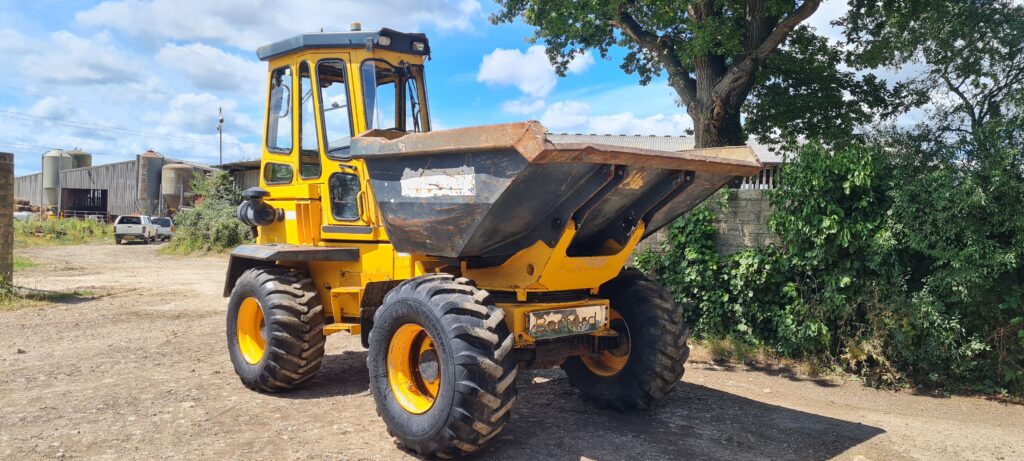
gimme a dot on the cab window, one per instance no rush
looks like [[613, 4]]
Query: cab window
[[279, 115], [277, 173], [344, 196], [309, 146], [391, 96], [334, 103]]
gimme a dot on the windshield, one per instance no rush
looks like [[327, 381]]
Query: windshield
[[163, 222], [129, 220], [392, 96]]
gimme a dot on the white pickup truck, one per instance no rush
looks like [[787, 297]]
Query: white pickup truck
[[134, 228]]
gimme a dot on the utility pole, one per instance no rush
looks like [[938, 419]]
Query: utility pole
[[220, 133]]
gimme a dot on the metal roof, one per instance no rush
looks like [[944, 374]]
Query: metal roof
[[240, 165], [400, 41], [670, 143]]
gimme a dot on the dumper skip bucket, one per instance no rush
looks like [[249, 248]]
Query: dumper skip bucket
[[484, 193]]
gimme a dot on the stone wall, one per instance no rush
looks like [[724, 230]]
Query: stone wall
[[6, 217], [742, 222]]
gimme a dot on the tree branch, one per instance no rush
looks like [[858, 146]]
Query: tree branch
[[966, 103], [742, 71], [661, 47], [785, 27]]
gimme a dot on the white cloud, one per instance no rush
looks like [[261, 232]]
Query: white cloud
[[197, 113], [247, 25], [580, 63], [13, 41], [210, 68], [829, 11], [531, 72], [522, 106], [626, 123], [567, 116], [576, 117], [69, 59], [52, 107]]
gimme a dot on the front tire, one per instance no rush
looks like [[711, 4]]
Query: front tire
[[275, 329], [651, 360], [442, 371]]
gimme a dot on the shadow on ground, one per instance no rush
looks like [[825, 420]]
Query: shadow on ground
[[695, 422], [56, 297], [550, 421], [340, 374]]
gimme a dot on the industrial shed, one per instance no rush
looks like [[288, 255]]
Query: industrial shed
[[246, 173], [149, 184]]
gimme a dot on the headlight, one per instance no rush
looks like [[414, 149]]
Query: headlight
[[418, 46], [384, 40]]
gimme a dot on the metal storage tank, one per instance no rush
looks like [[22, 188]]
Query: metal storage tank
[[80, 158], [54, 162], [150, 164], [175, 184]]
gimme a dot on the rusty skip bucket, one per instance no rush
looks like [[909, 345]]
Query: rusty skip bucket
[[483, 193]]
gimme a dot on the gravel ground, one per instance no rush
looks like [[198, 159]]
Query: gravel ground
[[138, 368]]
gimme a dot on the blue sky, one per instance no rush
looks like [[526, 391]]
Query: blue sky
[[117, 77]]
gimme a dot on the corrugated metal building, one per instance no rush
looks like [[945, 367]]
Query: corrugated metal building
[[246, 173], [112, 189]]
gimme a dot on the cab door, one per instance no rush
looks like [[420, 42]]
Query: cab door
[[343, 195]]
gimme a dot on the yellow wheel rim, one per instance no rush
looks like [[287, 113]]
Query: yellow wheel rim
[[252, 339], [610, 363], [414, 368]]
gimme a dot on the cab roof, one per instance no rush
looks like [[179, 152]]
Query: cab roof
[[400, 42]]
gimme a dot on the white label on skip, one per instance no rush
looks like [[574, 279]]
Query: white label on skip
[[289, 215], [439, 182]]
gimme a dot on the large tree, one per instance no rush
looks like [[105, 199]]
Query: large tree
[[970, 54], [711, 50]]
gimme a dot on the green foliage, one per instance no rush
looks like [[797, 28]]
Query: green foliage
[[211, 226], [803, 93], [972, 52], [957, 217], [716, 47], [900, 264], [62, 232]]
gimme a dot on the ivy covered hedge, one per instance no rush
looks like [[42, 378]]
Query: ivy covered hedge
[[901, 259]]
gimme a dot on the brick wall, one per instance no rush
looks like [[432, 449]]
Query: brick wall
[[6, 217], [741, 223]]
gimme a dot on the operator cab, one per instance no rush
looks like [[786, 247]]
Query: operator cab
[[323, 90]]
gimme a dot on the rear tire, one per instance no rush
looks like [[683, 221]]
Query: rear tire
[[275, 329], [653, 362], [454, 410]]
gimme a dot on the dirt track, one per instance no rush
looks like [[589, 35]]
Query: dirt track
[[140, 370]]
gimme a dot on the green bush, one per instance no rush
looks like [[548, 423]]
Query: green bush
[[211, 226], [902, 263]]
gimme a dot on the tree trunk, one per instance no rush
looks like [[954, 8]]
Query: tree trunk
[[716, 130]]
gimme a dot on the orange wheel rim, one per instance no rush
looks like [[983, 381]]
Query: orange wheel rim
[[414, 368], [610, 363], [251, 327]]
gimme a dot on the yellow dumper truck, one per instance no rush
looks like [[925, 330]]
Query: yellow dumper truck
[[458, 256]]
